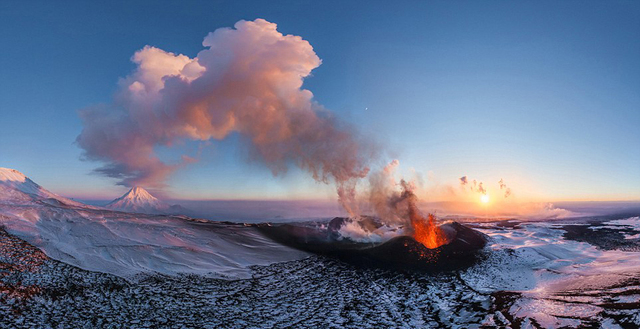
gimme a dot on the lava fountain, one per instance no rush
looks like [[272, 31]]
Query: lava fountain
[[427, 232]]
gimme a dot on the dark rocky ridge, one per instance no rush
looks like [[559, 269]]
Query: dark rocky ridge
[[402, 252], [603, 237]]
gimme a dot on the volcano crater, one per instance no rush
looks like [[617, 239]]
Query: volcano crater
[[403, 252]]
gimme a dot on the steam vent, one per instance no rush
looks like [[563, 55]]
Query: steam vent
[[404, 252]]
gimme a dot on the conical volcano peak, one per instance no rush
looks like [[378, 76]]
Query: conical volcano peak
[[137, 199], [139, 193]]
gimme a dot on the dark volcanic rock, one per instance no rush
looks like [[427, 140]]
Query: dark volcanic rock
[[603, 237], [401, 252], [336, 223]]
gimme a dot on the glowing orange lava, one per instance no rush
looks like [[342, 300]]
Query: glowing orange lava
[[427, 232]]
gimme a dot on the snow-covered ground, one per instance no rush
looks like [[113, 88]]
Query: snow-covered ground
[[134, 270], [516, 285], [561, 279], [127, 244]]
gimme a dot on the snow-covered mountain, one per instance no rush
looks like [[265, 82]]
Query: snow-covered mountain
[[16, 188], [127, 244], [138, 200]]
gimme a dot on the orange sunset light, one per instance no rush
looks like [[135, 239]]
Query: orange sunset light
[[484, 198]]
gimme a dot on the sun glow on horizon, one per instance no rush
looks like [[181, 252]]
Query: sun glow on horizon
[[484, 198]]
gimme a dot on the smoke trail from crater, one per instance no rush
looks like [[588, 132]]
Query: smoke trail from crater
[[247, 80], [397, 205]]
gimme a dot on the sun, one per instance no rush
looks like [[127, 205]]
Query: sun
[[484, 198]]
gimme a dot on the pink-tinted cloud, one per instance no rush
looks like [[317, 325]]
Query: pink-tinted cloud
[[247, 80]]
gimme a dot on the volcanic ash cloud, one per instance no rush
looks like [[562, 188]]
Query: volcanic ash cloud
[[247, 80]]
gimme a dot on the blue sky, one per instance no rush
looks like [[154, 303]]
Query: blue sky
[[543, 94]]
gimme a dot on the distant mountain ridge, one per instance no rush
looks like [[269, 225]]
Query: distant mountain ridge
[[138, 200], [17, 188]]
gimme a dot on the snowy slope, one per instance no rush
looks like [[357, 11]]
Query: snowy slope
[[16, 188], [128, 244]]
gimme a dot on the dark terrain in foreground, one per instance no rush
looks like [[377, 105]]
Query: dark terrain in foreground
[[38, 292]]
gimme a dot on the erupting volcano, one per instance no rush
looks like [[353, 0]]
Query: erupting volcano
[[402, 239], [427, 232]]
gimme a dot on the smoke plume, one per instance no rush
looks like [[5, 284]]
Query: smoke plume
[[481, 189], [476, 187], [503, 186], [398, 207], [247, 80], [383, 190]]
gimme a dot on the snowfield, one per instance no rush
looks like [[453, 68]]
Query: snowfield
[[127, 244]]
